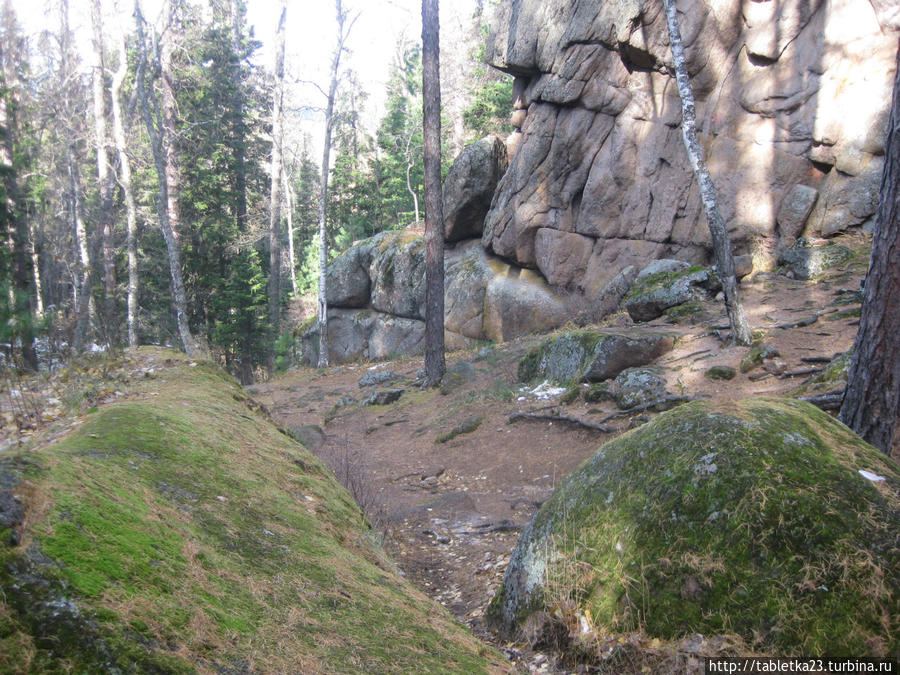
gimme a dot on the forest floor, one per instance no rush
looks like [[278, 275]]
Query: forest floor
[[451, 510]]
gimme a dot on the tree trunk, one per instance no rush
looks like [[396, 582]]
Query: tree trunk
[[872, 397], [323, 184], [434, 218], [161, 133], [125, 183], [275, 191], [85, 281], [288, 204], [740, 329], [409, 166], [104, 175]]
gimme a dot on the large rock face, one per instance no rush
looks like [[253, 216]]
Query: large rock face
[[792, 103], [743, 518]]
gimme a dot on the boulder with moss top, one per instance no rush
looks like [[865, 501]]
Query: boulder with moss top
[[592, 356], [766, 519], [660, 287]]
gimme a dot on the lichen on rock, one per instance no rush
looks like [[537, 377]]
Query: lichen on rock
[[750, 519]]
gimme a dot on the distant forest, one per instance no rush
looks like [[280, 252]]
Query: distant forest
[[138, 177]]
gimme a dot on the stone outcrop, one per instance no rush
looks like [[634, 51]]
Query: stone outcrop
[[469, 187], [594, 183], [792, 110]]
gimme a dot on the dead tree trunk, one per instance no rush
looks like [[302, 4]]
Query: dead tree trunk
[[125, 184], [275, 190], [740, 329], [161, 131], [323, 182], [434, 219], [872, 398]]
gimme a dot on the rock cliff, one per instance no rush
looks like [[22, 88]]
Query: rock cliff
[[595, 184], [792, 102]]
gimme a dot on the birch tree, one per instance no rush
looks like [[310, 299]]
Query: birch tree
[[105, 179], [124, 179], [344, 27], [160, 129], [434, 219], [276, 185], [740, 329]]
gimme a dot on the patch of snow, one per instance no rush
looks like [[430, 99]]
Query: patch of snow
[[544, 391], [868, 475]]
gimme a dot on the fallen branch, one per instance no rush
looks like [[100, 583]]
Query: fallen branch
[[816, 359], [798, 373], [830, 401], [670, 401], [562, 418]]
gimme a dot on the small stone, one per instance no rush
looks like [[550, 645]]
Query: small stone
[[720, 373]]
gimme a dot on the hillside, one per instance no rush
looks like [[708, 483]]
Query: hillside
[[452, 480], [178, 530]]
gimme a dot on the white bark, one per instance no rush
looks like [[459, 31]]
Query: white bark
[[275, 187], [125, 183], [740, 329], [323, 183], [160, 132]]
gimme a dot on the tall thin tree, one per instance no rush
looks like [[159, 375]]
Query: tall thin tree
[[124, 179], [276, 186], [872, 398], [740, 329], [160, 128], [105, 177], [344, 28], [434, 218]]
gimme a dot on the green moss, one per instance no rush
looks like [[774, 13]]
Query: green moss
[[571, 395], [186, 532], [691, 311], [749, 519], [562, 358], [834, 376], [467, 426], [720, 373], [653, 282], [598, 392], [754, 357]]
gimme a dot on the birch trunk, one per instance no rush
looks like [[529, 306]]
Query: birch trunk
[[125, 183], [275, 189], [288, 205], [160, 132], [104, 173], [740, 329], [434, 218], [323, 185]]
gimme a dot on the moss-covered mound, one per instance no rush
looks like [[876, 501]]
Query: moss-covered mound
[[179, 531], [753, 519]]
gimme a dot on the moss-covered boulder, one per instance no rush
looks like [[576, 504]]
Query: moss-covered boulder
[[809, 261], [593, 356], [767, 519], [639, 386], [179, 531], [660, 287]]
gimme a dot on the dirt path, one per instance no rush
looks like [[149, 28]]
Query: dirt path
[[451, 511]]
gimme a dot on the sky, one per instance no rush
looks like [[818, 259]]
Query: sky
[[310, 32]]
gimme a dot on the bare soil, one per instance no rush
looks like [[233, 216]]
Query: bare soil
[[451, 511]]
